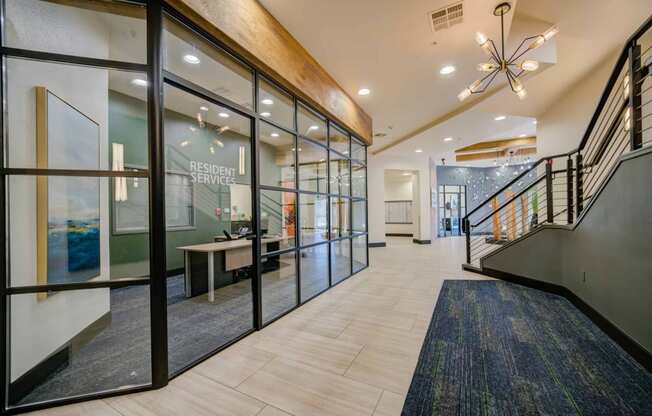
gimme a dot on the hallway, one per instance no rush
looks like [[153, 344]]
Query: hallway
[[351, 351]]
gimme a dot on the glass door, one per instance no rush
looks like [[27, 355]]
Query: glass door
[[208, 137], [209, 217], [452, 208]]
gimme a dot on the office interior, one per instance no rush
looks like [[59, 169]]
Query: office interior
[[264, 199]]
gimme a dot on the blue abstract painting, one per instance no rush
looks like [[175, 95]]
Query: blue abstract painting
[[73, 230], [73, 235]]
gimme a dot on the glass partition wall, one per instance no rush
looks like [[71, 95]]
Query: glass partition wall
[[162, 199]]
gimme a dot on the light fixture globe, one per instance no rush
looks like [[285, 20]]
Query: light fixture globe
[[498, 62]]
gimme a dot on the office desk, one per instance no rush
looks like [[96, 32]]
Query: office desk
[[231, 256]]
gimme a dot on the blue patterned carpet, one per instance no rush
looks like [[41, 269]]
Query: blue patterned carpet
[[495, 348]]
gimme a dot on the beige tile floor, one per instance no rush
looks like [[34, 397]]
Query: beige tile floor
[[350, 351]]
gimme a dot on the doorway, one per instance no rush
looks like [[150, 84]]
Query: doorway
[[452, 208]]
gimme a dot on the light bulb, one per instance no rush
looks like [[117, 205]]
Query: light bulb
[[464, 94], [518, 86], [474, 87], [544, 37], [529, 65], [486, 47], [481, 38], [540, 40], [550, 33], [487, 67], [522, 94]]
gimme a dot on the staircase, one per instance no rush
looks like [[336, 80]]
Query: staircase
[[560, 189], [578, 224]]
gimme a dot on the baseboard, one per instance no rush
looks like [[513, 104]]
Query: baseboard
[[175, 272], [399, 234], [417, 241], [381, 244], [633, 348], [58, 359], [524, 281], [38, 374]]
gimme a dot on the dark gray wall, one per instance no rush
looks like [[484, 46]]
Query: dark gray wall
[[610, 246], [520, 258]]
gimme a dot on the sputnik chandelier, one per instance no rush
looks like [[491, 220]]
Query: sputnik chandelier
[[498, 63]]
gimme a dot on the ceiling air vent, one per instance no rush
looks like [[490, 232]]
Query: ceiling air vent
[[447, 16]]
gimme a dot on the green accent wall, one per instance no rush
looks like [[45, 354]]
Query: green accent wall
[[128, 125]]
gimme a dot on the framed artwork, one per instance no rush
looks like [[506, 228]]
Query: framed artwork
[[67, 207]]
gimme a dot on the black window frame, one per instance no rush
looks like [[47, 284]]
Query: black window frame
[[157, 76]]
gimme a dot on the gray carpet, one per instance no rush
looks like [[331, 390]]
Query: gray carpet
[[496, 348], [120, 355]]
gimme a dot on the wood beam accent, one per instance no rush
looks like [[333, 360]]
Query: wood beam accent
[[247, 28], [499, 144], [251, 31], [494, 155]]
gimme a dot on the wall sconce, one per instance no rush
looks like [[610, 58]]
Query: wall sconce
[[120, 191], [241, 161]]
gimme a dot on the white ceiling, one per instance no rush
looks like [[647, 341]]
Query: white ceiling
[[387, 46]]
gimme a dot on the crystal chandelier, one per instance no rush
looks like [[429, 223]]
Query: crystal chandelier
[[510, 66]]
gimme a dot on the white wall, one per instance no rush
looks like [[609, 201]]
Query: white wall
[[376, 166], [376, 199], [560, 128], [39, 328], [400, 188]]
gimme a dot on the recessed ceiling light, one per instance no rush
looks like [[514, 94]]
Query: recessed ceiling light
[[224, 115], [267, 101], [500, 118], [418, 150], [265, 114], [522, 135], [364, 91], [191, 59], [448, 139], [274, 135], [407, 174], [203, 108], [313, 127], [448, 69], [139, 82]]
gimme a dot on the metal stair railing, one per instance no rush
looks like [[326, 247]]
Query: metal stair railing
[[557, 189]]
